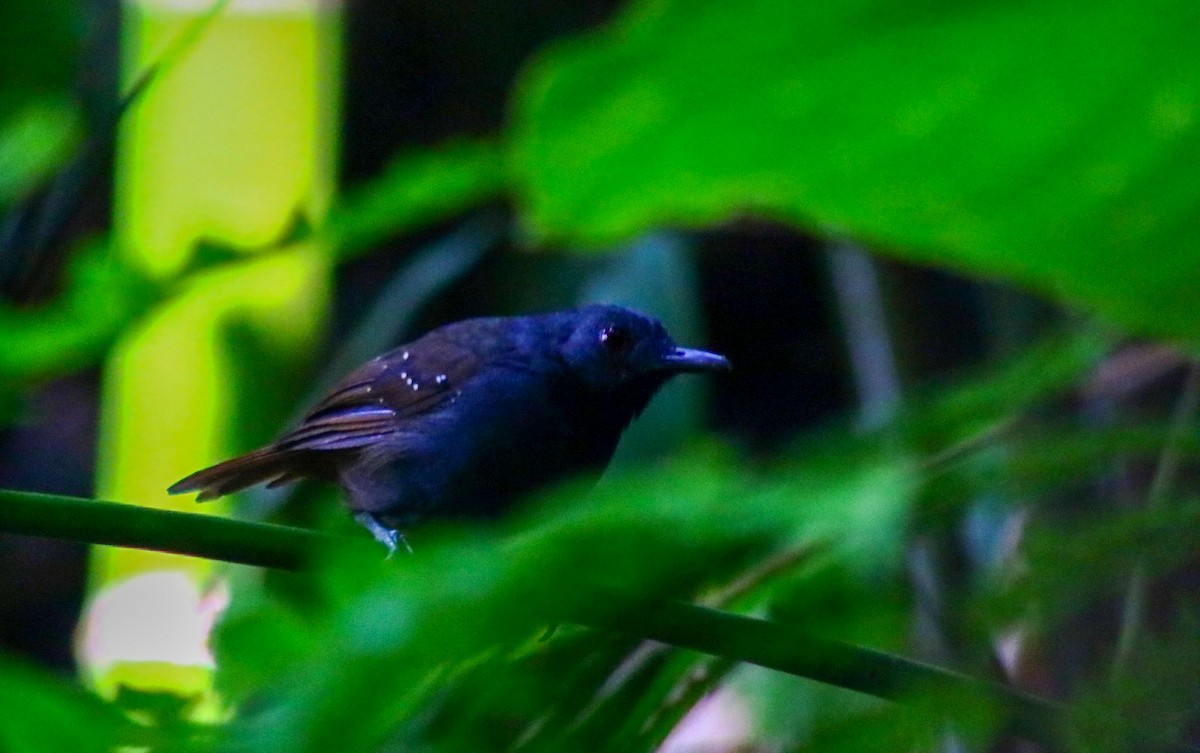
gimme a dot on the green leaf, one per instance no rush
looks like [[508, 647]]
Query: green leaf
[[33, 142], [1151, 707], [100, 299], [399, 634], [1037, 142], [1066, 570], [38, 118], [44, 713], [414, 190], [39, 46]]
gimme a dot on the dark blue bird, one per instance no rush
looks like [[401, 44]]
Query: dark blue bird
[[470, 417]]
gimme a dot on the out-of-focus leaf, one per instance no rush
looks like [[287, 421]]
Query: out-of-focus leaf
[[958, 417], [645, 708], [532, 697], [788, 710], [268, 632], [593, 691], [1034, 142], [40, 221], [43, 713], [1049, 458], [1068, 569], [39, 45], [918, 724], [1152, 706], [38, 119], [397, 631], [415, 189], [102, 297], [33, 142], [870, 609]]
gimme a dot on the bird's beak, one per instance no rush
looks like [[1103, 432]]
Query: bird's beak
[[694, 361]]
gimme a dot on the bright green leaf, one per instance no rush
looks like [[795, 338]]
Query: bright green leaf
[[44, 713], [1045, 143]]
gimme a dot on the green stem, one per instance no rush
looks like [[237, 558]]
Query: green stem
[[767, 644], [1183, 421], [132, 526], [780, 647]]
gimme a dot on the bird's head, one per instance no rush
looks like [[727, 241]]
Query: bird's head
[[611, 348]]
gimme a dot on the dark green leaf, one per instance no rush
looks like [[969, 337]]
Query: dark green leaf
[[101, 298], [414, 190]]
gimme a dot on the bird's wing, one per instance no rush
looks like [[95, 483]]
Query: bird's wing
[[383, 396]]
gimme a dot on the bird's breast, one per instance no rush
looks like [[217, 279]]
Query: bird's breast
[[516, 435]]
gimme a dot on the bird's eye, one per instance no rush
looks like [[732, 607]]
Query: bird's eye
[[616, 340]]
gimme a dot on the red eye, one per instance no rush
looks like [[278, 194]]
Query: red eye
[[616, 340]]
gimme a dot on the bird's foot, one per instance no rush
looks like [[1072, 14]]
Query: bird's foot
[[389, 537]]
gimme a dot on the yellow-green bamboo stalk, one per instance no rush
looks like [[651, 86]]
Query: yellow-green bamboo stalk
[[231, 146]]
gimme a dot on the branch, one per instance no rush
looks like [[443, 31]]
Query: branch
[[783, 648], [95, 522], [710, 631]]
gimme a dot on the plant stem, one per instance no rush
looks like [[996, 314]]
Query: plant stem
[[133, 526], [780, 647], [755, 641]]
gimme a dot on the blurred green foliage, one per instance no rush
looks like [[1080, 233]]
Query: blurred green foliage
[[48, 713], [101, 296], [413, 191], [1034, 142], [39, 117], [1043, 144], [454, 648]]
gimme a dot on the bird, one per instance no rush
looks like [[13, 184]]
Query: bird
[[465, 420]]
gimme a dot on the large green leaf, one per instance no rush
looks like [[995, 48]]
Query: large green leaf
[[1049, 143], [44, 713]]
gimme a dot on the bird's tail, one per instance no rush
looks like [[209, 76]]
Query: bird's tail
[[267, 464]]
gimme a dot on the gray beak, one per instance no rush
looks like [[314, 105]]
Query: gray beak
[[689, 360]]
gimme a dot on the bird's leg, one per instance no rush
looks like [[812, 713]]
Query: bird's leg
[[389, 537]]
